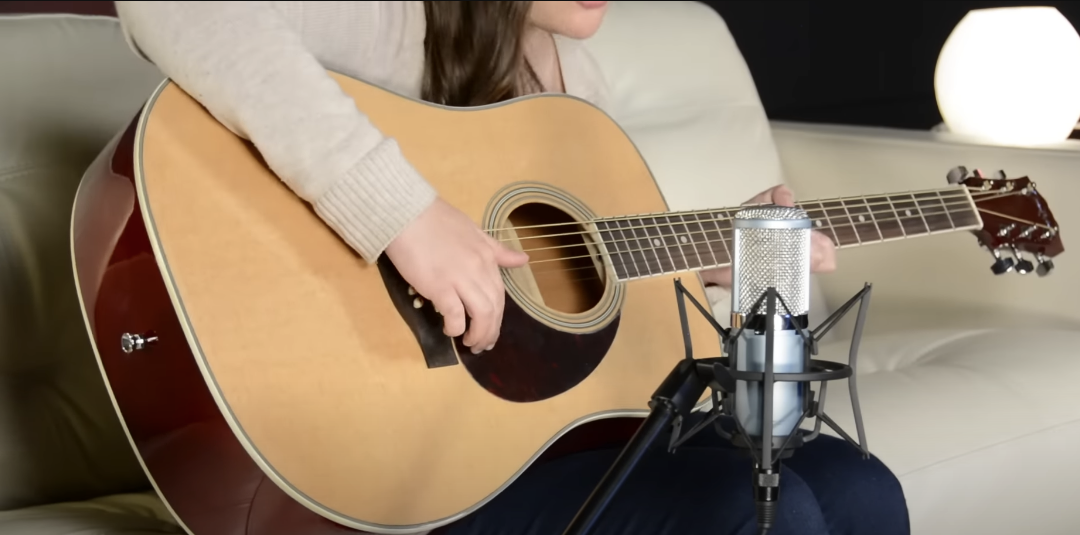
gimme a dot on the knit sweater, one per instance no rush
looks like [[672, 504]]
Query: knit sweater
[[260, 69]]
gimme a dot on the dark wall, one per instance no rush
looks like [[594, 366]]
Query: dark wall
[[46, 6], [866, 63]]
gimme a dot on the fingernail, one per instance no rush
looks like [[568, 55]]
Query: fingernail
[[489, 347]]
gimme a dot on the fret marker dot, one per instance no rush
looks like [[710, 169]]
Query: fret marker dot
[[683, 239], [862, 219], [656, 242], [818, 223], [907, 213]]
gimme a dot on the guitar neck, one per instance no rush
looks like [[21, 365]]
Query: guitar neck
[[648, 245]]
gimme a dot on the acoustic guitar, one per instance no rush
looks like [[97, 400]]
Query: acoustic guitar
[[268, 377]]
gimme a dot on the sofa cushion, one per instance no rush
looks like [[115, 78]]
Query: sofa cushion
[[72, 86], [958, 413], [683, 93], [126, 514]]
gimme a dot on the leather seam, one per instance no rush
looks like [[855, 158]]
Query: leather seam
[[13, 173], [251, 504], [991, 446]]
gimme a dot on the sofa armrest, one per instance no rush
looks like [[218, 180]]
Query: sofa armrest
[[945, 278]]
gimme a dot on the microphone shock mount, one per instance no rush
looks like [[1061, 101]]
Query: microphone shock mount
[[678, 395]]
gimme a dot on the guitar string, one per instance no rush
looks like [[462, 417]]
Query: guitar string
[[658, 262], [637, 264], [667, 215], [671, 224], [841, 200], [727, 214], [723, 215], [843, 227], [710, 251]]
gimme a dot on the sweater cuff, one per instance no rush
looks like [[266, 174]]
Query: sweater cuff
[[375, 200]]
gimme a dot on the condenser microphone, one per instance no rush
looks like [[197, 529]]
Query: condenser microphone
[[771, 246]]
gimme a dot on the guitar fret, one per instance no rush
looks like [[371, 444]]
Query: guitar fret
[[655, 242], [863, 220], [888, 224], [874, 216], [678, 256], [962, 209], [621, 260], [843, 226], [721, 221], [851, 220], [947, 210], [704, 240], [911, 217], [933, 211], [640, 255], [687, 244], [821, 220], [899, 220], [715, 237]]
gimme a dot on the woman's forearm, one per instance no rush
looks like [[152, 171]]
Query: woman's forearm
[[250, 69]]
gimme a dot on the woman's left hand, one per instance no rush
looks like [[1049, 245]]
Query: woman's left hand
[[822, 249]]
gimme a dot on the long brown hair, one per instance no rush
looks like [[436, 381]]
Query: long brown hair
[[473, 53]]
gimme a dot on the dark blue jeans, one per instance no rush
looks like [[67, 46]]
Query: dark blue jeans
[[704, 488]]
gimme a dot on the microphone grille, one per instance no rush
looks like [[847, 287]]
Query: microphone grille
[[771, 212], [776, 255]]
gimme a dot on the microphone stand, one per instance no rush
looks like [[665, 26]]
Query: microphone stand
[[678, 394]]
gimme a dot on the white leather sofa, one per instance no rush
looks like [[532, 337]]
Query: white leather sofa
[[967, 380]]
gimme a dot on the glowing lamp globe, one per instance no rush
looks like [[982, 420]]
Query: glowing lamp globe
[[1011, 76]]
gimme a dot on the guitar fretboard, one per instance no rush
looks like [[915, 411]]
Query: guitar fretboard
[[664, 243]]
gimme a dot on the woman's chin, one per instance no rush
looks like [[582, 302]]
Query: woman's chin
[[585, 25], [576, 20]]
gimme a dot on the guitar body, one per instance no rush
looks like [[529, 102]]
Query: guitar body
[[278, 383]]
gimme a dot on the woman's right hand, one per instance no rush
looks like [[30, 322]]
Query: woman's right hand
[[452, 263]]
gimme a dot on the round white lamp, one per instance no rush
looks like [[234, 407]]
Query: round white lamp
[[1011, 76]]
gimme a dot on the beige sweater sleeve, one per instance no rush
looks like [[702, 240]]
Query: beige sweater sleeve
[[249, 68]]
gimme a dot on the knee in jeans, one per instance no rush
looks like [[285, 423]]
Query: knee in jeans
[[797, 505], [883, 485]]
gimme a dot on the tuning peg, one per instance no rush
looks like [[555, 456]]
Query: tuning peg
[[1046, 266], [1001, 265], [956, 174], [1023, 266], [1000, 174]]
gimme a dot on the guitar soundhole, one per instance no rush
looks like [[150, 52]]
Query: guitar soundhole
[[565, 272]]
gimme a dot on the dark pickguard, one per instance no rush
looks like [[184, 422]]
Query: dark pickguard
[[533, 362], [530, 362]]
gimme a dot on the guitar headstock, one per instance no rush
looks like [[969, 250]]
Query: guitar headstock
[[1016, 220]]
